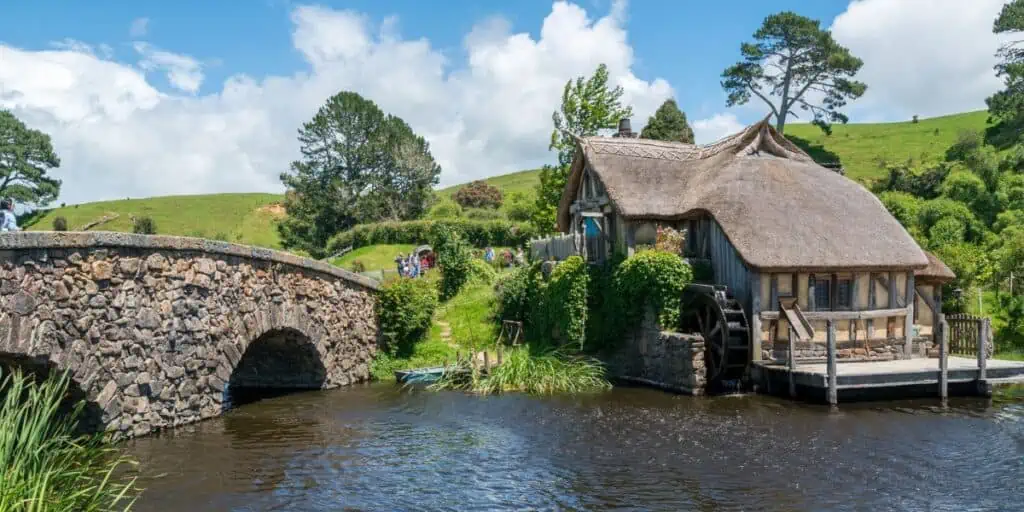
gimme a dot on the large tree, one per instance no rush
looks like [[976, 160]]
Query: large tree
[[668, 123], [358, 165], [1006, 107], [26, 155], [792, 63], [588, 105]]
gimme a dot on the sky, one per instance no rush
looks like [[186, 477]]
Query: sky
[[145, 98]]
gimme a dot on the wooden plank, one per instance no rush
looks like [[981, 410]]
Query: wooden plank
[[792, 363], [982, 355], [908, 321], [927, 301], [891, 288], [833, 395], [872, 300], [842, 315], [755, 314], [798, 322], [943, 339]]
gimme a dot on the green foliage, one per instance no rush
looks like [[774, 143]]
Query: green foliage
[[358, 165], [653, 279], [26, 156], [1011, 316], [1006, 107], [947, 231], [454, 259], [933, 211], [358, 266], [546, 373], [483, 214], [60, 224], [404, 311], [923, 182], [444, 209], [668, 123], [588, 105], [566, 300], [519, 207], [792, 55], [144, 226], [481, 272], [45, 464], [477, 233], [478, 194]]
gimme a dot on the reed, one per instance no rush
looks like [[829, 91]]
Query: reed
[[546, 373], [45, 465]]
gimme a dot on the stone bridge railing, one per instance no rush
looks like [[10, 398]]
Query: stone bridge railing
[[158, 330]]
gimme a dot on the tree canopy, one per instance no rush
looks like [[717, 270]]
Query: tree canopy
[[1006, 107], [668, 123], [588, 105], [358, 165], [26, 156], [794, 63]]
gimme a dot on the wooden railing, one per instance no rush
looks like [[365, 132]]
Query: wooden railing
[[965, 332], [555, 248]]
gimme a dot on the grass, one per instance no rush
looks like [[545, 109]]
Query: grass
[[521, 181], [242, 218], [374, 257], [44, 465], [470, 316], [525, 372]]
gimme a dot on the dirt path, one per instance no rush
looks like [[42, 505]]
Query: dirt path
[[446, 334]]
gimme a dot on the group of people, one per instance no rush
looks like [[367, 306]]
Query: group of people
[[507, 258], [413, 265]]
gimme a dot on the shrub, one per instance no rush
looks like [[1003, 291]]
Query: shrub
[[670, 240], [445, 209], [483, 214], [566, 300], [144, 226], [358, 266], [481, 272], [478, 194], [477, 233], [404, 311], [519, 207], [60, 224], [655, 279], [454, 259]]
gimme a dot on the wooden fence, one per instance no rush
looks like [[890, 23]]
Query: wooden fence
[[555, 248], [964, 333]]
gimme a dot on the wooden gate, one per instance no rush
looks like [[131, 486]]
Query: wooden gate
[[965, 331]]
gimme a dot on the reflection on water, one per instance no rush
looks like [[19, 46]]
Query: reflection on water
[[380, 448]]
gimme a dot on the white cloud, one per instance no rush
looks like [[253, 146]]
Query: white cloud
[[715, 127], [139, 27], [184, 73], [924, 57], [118, 135]]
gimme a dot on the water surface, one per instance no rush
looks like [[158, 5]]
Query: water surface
[[378, 447]]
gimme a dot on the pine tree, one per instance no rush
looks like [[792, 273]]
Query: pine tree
[[668, 123]]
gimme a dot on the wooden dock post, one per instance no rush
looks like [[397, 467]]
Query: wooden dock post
[[487, 361], [943, 336], [792, 363], [984, 330], [833, 391]]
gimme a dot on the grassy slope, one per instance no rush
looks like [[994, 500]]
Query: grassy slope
[[374, 257], [522, 181], [243, 218], [862, 146]]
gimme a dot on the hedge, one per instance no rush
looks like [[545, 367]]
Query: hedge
[[477, 233], [404, 310]]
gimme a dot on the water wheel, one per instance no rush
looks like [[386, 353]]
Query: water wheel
[[720, 319]]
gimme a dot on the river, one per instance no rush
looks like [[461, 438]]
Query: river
[[377, 447]]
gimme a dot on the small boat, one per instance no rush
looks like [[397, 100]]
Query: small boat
[[420, 375]]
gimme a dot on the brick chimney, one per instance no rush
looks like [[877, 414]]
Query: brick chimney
[[624, 129]]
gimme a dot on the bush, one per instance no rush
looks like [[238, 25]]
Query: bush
[[483, 214], [358, 266], [519, 207], [541, 374], [481, 272], [445, 209], [477, 233], [478, 194], [454, 259], [566, 300], [404, 311], [60, 224], [144, 226], [655, 279]]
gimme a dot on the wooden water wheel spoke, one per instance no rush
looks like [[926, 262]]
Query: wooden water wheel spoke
[[723, 324]]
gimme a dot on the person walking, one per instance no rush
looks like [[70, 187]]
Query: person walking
[[9, 221]]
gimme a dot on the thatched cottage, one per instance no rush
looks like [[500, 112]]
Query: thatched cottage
[[777, 229]]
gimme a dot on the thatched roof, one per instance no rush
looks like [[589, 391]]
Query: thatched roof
[[935, 271], [777, 207]]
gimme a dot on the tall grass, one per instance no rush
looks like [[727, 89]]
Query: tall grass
[[546, 373], [44, 464]]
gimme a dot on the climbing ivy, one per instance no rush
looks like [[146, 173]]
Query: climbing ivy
[[655, 279]]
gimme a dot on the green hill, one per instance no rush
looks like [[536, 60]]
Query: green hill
[[243, 218], [521, 181]]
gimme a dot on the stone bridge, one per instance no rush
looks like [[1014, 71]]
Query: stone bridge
[[156, 330]]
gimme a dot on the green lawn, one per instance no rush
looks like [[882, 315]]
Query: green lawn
[[243, 218], [374, 257], [470, 316]]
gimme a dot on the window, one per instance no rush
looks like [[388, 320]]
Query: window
[[822, 293], [844, 298]]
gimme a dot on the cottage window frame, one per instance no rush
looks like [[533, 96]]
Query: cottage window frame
[[837, 292]]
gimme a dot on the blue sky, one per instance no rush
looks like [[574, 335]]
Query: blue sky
[[152, 98]]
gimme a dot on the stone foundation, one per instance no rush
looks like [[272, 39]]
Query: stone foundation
[[667, 360]]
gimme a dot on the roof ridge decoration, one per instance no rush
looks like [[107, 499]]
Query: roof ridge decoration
[[756, 138]]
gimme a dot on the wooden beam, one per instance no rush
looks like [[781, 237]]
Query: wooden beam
[[843, 315], [928, 302], [869, 326], [755, 315], [942, 331], [773, 293], [592, 214], [792, 364], [833, 397], [908, 321], [810, 293], [630, 238], [891, 288]]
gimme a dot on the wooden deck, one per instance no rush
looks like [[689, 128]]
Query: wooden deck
[[886, 375]]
